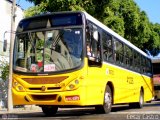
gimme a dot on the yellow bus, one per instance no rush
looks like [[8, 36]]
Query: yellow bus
[[52, 67], [156, 77]]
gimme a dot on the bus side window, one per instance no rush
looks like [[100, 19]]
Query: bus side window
[[107, 47], [118, 52], [137, 61], [93, 48], [128, 57], [148, 67]]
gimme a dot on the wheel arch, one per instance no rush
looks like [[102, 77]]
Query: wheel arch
[[142, 90]]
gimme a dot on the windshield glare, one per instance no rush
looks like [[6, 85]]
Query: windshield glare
[[48, 51]]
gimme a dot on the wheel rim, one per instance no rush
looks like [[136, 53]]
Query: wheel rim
[[107, 100]]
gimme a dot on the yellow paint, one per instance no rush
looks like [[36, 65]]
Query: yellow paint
[[89, 83]]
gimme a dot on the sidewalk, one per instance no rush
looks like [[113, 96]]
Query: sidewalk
[[27, 108]]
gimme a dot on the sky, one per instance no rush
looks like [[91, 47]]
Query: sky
[[24, 4], [151, 7]]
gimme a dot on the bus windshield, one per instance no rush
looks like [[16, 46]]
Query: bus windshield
[[48, 51]]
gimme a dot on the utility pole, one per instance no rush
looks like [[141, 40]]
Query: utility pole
[[10, 100]]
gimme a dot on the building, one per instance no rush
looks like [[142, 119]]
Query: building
[[5, 32], [5, 25]]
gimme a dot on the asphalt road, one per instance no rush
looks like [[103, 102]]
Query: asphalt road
[[150, 111]]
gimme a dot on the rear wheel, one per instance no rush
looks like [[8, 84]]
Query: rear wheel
[[140, 103], [141, 100], [49, 110], [107, 102]]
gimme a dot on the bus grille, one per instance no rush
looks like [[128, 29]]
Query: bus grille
[[45, 80], [49, 88], [44, 97]]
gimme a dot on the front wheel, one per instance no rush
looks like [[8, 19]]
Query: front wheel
[[107, 102], [49, 110]]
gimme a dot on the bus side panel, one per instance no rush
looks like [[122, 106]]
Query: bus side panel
[[123, 88], [127, 84], [96, 82], [148, 88]]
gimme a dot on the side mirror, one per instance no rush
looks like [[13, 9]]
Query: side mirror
[[95, 35], [5, 45]]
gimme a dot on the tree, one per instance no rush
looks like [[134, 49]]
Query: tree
[[110, 17], [4, 66], [129, 11], [144, 31], [153, 44], [55, 5], [36, 10]]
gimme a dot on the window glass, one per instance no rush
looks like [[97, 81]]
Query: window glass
[[118, 52], [137, 62], [93, 43], [128, 57], [48, 51], [107, 47]]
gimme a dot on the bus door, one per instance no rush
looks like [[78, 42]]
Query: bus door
[[93, 46], [93, 51]]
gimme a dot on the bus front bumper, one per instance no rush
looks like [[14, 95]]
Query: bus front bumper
[[74, 97]]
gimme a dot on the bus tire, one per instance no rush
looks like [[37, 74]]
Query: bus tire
[[140, 103], [107, 102], [49, 110], [141, 100]]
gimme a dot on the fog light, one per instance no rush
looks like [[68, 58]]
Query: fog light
[[71, 86], [15, 84], [20, 88]]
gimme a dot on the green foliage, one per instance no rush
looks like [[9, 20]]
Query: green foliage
[[153, 43], [38, 9], [4, 66], [113, 21], [122, 16]]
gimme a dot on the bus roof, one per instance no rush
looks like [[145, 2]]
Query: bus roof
[[89, 17]]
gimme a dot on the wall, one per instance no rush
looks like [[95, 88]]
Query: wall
[[5, 25]]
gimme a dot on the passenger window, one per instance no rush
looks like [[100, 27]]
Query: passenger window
[[137, 61], [93, 45], [107, 47], [118, 52], [128, 57]]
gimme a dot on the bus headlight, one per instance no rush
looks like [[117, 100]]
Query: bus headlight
[[18, 86], [73, 85], [15, 83]]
